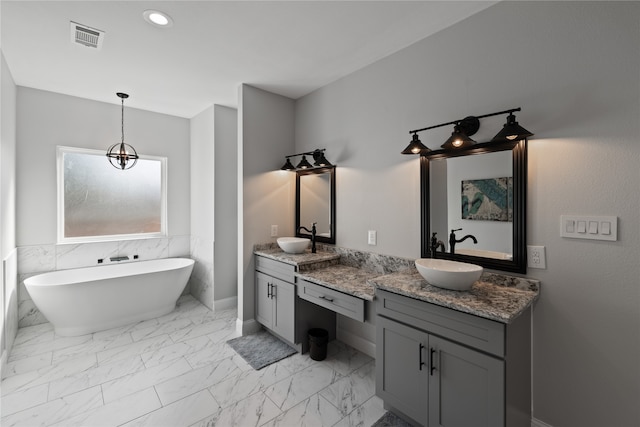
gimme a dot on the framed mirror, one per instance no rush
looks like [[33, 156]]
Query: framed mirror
[[316, 202], [479, 193]]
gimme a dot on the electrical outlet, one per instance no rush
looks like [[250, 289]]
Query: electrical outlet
[[372, 237], [536, 257], [274, 231]]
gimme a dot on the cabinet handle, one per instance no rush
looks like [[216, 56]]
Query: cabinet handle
[[326, 298], [421, 363], [431, 356], [269, 294], [273, 291]]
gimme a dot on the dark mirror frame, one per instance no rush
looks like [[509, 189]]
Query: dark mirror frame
[[332, 171], [519, 157]]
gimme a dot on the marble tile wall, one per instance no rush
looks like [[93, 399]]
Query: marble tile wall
[[9, 300], [369, 261], [39, 259]]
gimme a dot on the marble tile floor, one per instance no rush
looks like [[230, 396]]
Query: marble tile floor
[[177, 370]]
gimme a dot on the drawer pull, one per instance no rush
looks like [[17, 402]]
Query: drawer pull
[[432, 366], [326, 298], [270, 290]]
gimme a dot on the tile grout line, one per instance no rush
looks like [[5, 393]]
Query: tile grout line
[[198, 321]]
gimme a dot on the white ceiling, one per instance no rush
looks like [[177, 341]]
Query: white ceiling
[[287, 47]]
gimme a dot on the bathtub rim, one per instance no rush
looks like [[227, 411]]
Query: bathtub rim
[[74, 276]]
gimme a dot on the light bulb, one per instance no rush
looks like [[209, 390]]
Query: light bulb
[[156, 18]]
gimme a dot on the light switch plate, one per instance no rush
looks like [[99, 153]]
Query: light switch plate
[[372, 237], [589, 227]]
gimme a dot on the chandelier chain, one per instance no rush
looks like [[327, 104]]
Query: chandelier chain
[[122, 120]]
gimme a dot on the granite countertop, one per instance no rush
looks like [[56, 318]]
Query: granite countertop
[[495, 296], [343, 278], [305, 259]]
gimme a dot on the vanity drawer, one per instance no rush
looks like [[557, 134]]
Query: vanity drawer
[[277, 269], [477, 332], [344, 304]]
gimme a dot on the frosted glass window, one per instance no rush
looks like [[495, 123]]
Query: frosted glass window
[[99, 202]]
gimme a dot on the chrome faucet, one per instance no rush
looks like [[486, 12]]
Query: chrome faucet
[[313, 236], [435, 244], [453, 240]]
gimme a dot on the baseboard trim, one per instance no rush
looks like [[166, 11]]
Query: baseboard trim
[[247, 327], [225, 304], [537, 423], [359, 343]]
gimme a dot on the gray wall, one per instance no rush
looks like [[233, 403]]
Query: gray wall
[[226, 204], [265, 193], [214, 223], [8, 257], [574, 68], [47, 119], [202, 210]]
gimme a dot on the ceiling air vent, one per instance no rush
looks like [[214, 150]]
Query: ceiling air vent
[[86, 36]]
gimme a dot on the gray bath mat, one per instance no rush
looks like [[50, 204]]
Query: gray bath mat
[[261, 349], [389, 419]]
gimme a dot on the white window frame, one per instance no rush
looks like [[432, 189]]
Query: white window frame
[[61, 150]]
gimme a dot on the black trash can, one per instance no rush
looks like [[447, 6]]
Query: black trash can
[[318, 339]]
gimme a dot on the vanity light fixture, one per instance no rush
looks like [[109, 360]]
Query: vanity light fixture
[[287, 166], [304, 163], [319, 161], [511, 130], [463, 129], [458, 139], [122, 156], [415, 146]]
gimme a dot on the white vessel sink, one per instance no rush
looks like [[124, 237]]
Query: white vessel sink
[[454, 275], [293, 245]]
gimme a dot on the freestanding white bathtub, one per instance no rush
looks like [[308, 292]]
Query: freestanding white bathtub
[[84, 300]]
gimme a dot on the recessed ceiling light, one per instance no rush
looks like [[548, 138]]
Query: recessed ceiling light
[[157, 18]]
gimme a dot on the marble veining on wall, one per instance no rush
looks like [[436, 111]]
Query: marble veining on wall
[[371, 262], [39, 259], [201, 281]]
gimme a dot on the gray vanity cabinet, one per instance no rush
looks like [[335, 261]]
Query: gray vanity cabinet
[[466, 387], [435, 381], [275, 298], [402, 377], [443, 368]]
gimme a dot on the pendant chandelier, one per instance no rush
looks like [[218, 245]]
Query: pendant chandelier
[[122, 156]]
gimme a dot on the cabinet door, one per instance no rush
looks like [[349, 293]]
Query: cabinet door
[[466, 387], [402, 368], [264, 303], [284, 295]]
